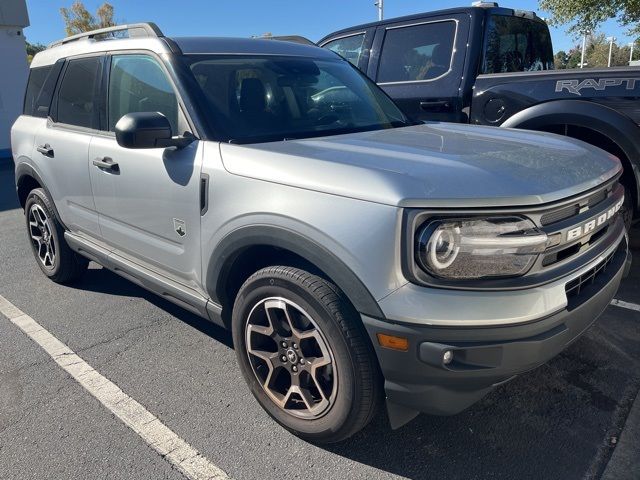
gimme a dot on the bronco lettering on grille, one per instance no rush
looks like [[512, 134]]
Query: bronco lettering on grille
[[591, 225]]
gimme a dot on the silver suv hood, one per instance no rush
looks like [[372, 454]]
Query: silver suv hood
[[439, 164]]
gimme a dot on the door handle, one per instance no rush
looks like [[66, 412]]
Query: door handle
[[107, 164], [435, 105], [45, 150]]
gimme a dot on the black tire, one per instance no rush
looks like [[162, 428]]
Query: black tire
[[357, 376], [64, 265], [627, 208]]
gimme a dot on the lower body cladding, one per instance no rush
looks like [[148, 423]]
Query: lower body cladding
[[442, 370]]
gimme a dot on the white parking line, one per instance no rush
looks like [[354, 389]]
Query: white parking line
[[158, 436], [629, 306]]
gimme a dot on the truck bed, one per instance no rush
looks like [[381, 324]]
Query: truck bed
[[498, 96]]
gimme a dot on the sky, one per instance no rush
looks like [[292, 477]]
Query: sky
[[243, 18]]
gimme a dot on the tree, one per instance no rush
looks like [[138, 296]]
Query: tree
[[77, 18], [596, 54], [587, 15], [32, 49], [560, 59]]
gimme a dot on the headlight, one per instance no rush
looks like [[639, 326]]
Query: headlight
[[478, 248]]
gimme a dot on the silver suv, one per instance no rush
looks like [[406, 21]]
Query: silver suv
[[273, 189]]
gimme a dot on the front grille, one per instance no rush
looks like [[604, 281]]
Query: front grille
[[577, 285], [559, 215], [572, 210], [563, 254]]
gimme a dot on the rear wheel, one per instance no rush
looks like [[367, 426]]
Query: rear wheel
[[46, 236], [304, 354]]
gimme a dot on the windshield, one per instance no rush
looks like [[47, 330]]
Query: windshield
[[267, 98], [515, 44]]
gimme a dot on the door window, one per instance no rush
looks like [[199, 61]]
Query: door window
[[77, 103], [417, 52], [137, 83], [348, 47]]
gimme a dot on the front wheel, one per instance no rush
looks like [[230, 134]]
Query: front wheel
[[304, 354], [627, 208]]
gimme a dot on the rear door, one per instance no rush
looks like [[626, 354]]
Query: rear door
[[419, 63], [62, 143], [147, 199]]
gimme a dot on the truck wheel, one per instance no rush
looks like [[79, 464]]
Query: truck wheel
[[305, 354], [627, 209], [46, 236]]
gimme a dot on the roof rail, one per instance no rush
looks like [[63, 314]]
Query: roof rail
[[147, 29], [286, 38], [484, 4]]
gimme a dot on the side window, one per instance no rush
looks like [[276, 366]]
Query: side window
[[77, 97], [418, 52], [348, 47], [137, 83], [37, 79]]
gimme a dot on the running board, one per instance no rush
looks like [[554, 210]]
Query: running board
[[172, 291]]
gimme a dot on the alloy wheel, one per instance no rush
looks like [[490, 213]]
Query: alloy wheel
[[40, 231], [291, 358]]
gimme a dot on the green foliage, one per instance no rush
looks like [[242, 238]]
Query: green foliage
[[77, 18], [587, 15], [32, 49], [596, 54]]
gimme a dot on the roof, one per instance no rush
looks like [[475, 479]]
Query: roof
[[243, 46], [487, 7], [91, 42]]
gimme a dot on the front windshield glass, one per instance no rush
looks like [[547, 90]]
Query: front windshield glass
[[269, 98], [515, 44]]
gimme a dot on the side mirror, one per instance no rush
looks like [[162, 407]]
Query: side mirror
[[147, 130]]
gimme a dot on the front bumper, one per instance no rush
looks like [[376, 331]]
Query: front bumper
[[485, 356]]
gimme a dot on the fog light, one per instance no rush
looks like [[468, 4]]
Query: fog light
[[447, 357]]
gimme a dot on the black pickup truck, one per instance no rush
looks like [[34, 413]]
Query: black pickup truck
[[488, 65]]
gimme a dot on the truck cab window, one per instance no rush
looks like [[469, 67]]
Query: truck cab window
[[515, 44], [417, 52], [349, 48]]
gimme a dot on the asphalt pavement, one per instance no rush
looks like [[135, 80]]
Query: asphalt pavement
[[560, 421]]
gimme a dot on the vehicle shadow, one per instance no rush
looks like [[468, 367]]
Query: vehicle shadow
[[8, 196], [102, 280]]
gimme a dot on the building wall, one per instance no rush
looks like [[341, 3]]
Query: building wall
[[13, 66]]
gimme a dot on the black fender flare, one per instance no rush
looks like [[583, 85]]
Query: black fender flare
[[24, 170], [619, 128], [231, 246]]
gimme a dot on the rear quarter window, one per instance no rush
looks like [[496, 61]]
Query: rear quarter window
[[40, 88]]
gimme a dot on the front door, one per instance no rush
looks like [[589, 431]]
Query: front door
[[147, 199]]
